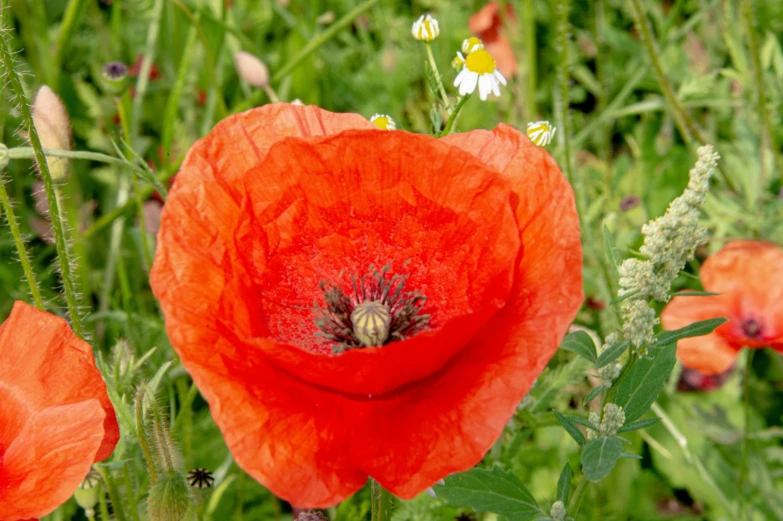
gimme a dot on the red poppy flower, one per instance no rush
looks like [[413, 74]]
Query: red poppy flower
[[749, 277], [284, 206], [488, 25], [56, 419]]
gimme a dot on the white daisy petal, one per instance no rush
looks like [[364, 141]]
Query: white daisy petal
[[469, 83], [460, 77], [500, 77]]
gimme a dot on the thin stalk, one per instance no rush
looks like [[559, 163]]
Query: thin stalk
[[438, 79], [58, 228], [529, 20], [743, 477], [307, 50], [687, 127], [450, 124], [172, 104], [605, 135], [381, 502], [690, 458], [114, 495], [131, 493], [29, 153], [102, 506], [162, 440], [21, 249], [73, 12], [576, 497], [141, 434], [563, 77], [768, 139], [150, 50]]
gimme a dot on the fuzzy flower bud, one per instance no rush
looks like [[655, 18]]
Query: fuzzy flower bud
[[54, 128], [312, 515], [251, 69], [4, 156], [558, 511], [595, 419], [610, 371], [614, 418], [425, 28], [169, 498]]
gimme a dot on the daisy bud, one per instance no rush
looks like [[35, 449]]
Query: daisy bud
[[558, 511], [425, 28], [4, 156], [472, 44], [54, 129], [541, 133], [312, 515], [383, 122], [115, 75], [371, 321], [169, 498], [458, 62], [251, 69]]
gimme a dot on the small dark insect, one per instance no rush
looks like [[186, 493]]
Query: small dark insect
[[200, 478]]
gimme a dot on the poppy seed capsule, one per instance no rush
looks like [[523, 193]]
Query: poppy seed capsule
[[371, 321]]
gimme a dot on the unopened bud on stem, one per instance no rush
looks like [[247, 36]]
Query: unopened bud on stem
[[54, 129], [252, 70]]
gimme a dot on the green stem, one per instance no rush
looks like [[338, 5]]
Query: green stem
[[687, 127], [58, 229], [438, 79], [73, 13], [743, 477], [605, 136], [141, 434], [29, 153], [172, 104], [764, 112], [114, 495], [450, 124], [563, 77], [309, 49], [102, 506], [21, 250], [150, 49], [529, 20], [130, 492], [381, 502], [576, 497]]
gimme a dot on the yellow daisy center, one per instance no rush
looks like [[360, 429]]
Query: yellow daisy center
[[382, 122], [481, 62]]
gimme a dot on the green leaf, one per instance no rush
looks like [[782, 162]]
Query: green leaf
[[564, 484], [695, 294], [628, 455], [611, 251], [600, 456], [641, 424], [611, 354], [570, 427], [624, 296], [700, 328], [595, 391], [580, 343], [638, 389], [493, 490]]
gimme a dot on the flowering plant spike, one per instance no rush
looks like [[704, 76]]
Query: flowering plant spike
[[462, 254]]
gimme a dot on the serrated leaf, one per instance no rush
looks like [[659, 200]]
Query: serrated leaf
[[564, 484], [570, 427], [600, 456], [611, 251], [641, 424], [700, 328], [612, 353], [638, 389], [493, 490], [580, 343], [595, 391]]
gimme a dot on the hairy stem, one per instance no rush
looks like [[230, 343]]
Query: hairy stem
[[438, 78], [381, 502], [743, 477]]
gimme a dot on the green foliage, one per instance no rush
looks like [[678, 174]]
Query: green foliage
[[600, 456]]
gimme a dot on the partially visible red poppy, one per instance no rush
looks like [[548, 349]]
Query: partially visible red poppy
[[488, 25], [749, 277], [56, 419], [278, 207], [135, 69]]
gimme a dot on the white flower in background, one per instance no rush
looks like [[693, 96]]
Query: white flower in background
[[425, 28], [479, 69], [472, 44], [541, 132], [383, 122]]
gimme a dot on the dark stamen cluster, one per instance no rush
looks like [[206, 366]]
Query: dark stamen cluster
[[751, 329], [333, 319]]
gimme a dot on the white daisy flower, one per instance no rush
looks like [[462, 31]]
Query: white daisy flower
[[479, 69], [425, 28], [472, 44], [541, 132], [383, 122]]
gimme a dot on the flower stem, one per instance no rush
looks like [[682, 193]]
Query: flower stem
[[29, 153], [450, 124], [438, 79], [114, 495], [685, 124], [576, 497], [381, 502], [55, 213], [21, 250], [529, 28], [141, 434], [743, 477], [131, 493]]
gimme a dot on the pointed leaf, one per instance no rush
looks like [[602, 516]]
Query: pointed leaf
[[611, 251], [640, 424], [695, 294], [564, 484], [493, 490], [611, 354], [636, 391], [580, 343], [570, 427], [595, 391], [700, 328], [600, 456]]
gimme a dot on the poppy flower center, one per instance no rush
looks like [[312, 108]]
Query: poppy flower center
[[751, 328], [377, 310]]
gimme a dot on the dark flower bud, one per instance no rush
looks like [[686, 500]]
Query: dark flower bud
[[115, 76], [629, 203]]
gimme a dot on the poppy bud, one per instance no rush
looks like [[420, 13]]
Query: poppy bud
[[3, 155], [54, 129], [251, 69], [169, 498], [115, 75], [371, 321]]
